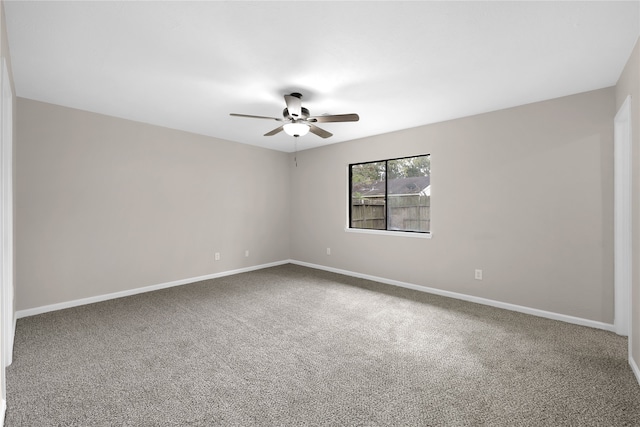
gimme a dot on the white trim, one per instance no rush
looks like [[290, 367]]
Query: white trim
[[7, 306], [99, 298], [622, 219], [7, 215], [635, 369], [470, 298], [412, 234], [455, 295]]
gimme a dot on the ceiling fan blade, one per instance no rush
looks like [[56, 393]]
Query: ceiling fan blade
[[294, 105], [275, 131], [320, 132], [335, 118], [255, 117]]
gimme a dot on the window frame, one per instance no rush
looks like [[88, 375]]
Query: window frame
[[386, 230]]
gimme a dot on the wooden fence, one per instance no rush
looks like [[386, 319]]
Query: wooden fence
[[411, 213]]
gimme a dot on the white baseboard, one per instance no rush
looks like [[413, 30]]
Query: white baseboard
[[11, 340], [634, 368], [470, 298], [129, 292], [3, 409], [478, 300]]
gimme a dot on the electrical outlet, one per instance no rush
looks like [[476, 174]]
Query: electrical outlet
[[328, 251], [217, 256], [246, 253], [478, 274]]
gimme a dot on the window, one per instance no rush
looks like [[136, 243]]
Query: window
[[392, 195]]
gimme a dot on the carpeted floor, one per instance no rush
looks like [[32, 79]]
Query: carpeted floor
[[293, 346]]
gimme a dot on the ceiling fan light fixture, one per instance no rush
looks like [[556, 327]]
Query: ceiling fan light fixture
[[296, 129]]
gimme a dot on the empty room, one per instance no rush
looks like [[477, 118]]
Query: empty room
[[320, 213]]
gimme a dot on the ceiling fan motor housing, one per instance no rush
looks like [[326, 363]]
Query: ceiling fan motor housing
[[305, 114]]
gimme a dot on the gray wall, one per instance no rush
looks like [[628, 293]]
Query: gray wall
[[106, 205], [526, 194], [629, 84]]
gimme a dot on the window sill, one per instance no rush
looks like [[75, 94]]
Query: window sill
[[414, 235]]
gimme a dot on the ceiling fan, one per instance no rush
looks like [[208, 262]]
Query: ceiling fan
[[298, 121]]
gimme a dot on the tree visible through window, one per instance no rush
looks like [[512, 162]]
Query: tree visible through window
[[392, 195]]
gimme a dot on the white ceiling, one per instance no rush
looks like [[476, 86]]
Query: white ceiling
[[187, 65]]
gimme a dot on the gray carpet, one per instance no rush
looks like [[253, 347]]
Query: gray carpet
[[295, 346]]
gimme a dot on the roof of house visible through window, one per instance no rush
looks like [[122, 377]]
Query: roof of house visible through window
[[404, 186]]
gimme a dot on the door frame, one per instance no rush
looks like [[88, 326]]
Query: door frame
[[7, 319], [622, 219], [6, 216]]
